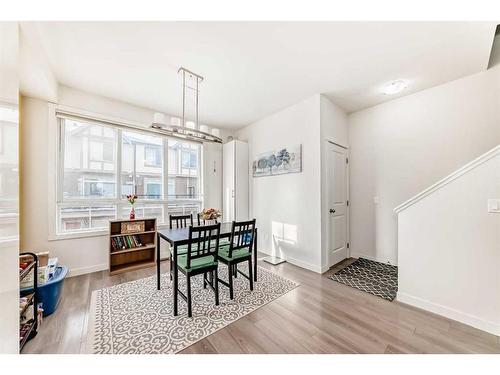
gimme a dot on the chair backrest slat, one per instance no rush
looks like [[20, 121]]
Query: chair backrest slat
[[242, 236], [203, 241], [180, 221]]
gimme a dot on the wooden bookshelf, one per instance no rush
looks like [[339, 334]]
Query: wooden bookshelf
[[132, 244]]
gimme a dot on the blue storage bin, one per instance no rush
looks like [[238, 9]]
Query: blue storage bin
[[50, 292]]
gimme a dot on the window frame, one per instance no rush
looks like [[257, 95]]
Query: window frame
[[118, 202]]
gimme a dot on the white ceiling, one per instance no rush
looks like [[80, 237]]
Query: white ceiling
[[255, 69]]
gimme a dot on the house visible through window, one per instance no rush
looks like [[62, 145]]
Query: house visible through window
[[89, 161], [9, 172], [184, 177], [152, 156], [92, 172], [153, 190], [189, 158], [171, 187]]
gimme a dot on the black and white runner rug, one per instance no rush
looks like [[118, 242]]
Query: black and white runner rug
[[372, 277]]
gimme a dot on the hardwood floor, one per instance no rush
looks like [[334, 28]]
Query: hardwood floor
[[320, 316]]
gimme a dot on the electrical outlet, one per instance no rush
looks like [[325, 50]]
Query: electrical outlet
[[494, 206]]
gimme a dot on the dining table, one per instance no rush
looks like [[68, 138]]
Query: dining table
[[180, 236]]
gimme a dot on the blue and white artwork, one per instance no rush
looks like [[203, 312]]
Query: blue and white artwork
[[282, 161]]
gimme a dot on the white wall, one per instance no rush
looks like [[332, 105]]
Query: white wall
[[401, 147], [287, 207], [9, 244], [87, 254], [35, 73], [82, 254], [333, 129], [333, 122], [449, 249]]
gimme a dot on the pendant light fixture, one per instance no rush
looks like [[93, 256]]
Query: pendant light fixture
[[187, 129]]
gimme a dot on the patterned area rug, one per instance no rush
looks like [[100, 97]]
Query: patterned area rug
[[135, 317], [369, 276]]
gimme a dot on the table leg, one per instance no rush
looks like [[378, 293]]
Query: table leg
[[158, 286], [176, 278], [255, 257]]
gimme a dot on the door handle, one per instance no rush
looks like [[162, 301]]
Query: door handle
[[332, 211]]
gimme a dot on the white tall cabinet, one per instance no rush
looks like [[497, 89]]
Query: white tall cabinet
[[235, 181]]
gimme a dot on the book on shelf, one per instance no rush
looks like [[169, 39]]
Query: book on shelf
[[125, 242]]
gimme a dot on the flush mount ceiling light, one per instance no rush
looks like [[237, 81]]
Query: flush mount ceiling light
[[184, 128], [394, 87]]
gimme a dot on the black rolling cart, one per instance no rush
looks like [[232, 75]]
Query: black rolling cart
[[28, 326]]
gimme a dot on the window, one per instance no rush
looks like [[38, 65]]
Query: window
[[184, 181], [9, 172], [142, 165], [89, 160], [100, 165], [153, 190], [152, 156], [189, 159], [99, 188], [171, 186], [183, 176], [101, 151], [83, 218]]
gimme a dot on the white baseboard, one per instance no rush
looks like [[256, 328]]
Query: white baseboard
[[450, 313], [307, 266], [85, 270], [265, 252], [102, 267], [298, 263]]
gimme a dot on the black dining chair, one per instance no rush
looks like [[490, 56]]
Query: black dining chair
[[202, 221], [179, 221], [238, 250], [200, 258]]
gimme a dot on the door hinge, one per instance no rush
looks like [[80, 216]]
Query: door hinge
[[348, 203], [348, 245], [346, 160]]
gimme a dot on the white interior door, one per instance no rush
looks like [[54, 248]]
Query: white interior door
[[337, 204]]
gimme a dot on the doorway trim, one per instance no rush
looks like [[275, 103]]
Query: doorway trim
[[326, 267]]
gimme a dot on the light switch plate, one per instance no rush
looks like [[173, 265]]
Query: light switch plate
[[494, 206]]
